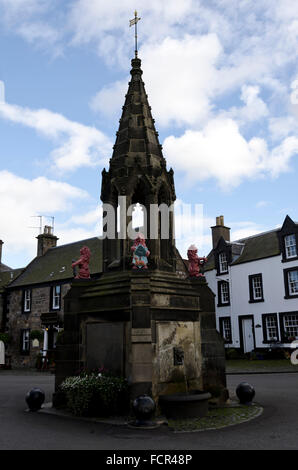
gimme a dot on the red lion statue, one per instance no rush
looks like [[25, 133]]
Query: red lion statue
[[194, 262], [83, 263]]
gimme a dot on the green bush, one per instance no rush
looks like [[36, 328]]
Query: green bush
[[96, 395], [6, 338], [232, 353]]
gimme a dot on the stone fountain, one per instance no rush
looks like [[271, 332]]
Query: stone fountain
[[143, 319]]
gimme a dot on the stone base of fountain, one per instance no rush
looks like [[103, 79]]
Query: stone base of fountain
[[185, 405]]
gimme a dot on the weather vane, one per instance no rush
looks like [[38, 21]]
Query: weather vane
[[135, 22]]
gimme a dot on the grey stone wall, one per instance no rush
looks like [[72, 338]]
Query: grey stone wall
[[18, 320]]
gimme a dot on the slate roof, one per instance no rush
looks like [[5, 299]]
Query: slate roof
[[210, 262], [55, 264], [259, 246], [3, 268], [8, 276]]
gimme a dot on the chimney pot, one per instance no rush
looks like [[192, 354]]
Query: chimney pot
[[46, 240], [219, 230]]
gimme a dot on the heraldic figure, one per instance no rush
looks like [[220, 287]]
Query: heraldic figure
[[140, 253], [83, 263], [195, 262]]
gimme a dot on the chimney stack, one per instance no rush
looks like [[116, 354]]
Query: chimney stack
[[46, 240], [220, 230]]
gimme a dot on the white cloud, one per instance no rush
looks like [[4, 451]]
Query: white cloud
[[219, 151], [21, 198], [280, 157], [91, 217], [261, 204], [93, 20], [76, 145], [17, 9], [244, 229], [74, 234], [109, 99], [30, 20], [191, 62], [254, 107], [282, 126], [179, 77], [38, 31]]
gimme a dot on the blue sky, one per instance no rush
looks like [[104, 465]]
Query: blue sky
[[220, 76]]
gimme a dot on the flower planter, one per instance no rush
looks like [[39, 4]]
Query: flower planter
[[185, 405]]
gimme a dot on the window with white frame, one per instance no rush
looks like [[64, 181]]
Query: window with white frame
[[25, 341], [293, 282], [290, 246], [290, 323], [223, 262], [27, 300], [224, 291], [56, 296], [271, 327], [257, 287], [226, 329]]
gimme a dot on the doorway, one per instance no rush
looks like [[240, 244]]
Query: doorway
[[247, 336]]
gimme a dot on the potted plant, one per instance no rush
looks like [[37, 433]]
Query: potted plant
[[36, 334]]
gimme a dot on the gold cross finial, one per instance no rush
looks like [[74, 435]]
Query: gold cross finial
[[134, 21]]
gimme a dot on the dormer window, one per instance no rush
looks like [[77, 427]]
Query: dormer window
[[290, 246], [288, 238], [223, 262]]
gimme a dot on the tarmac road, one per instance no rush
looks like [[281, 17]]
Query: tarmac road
[[276, 428]]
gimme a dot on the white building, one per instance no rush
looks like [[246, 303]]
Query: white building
[[255, 281]]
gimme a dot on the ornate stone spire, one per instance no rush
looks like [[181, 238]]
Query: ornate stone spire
[[138, 172], [137, 137]]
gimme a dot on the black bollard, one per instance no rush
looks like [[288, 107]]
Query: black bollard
[[144, 409], [245, 392], [35, 399]]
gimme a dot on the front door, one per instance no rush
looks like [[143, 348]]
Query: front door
[[247, 335]]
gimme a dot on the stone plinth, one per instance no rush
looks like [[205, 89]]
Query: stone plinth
[[152, 327]]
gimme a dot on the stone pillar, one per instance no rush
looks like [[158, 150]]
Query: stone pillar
[[152, 229], [45, 342], [109, 232], [141, 337]]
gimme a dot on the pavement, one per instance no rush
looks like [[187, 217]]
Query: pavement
[[260, 369], [275, 428]]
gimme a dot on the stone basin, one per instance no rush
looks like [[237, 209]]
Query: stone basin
[[193, 404]]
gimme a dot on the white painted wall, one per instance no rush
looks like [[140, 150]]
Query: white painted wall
[[273, 290]]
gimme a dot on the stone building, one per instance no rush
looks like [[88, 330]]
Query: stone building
[[33, 298], [7, 275]]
